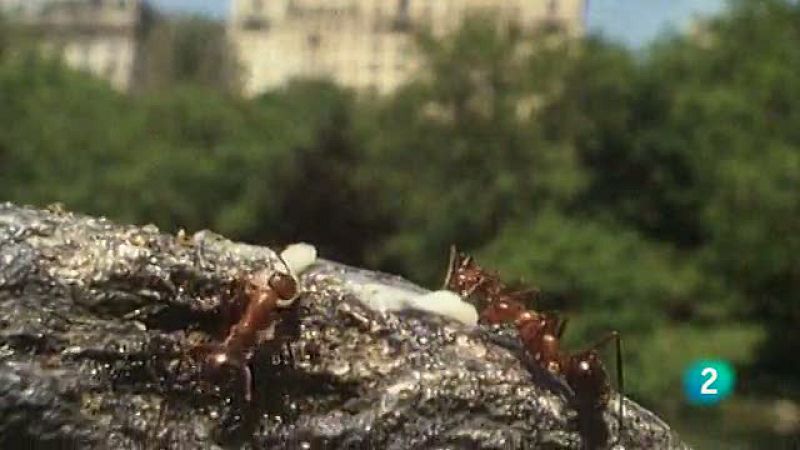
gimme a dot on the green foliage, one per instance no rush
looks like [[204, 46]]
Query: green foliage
[[57, 134], [324, 201], [477, 154], [203, 145], [608, 272], [613, 109], [191, 159], [732, 107], [4, 36], [608, 277], [661, 357]]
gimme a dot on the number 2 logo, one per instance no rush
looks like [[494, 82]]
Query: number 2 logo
[[708, 381], [706, 389]]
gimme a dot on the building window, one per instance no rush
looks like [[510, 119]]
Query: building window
[[552, 7], [314, 40], [401, 20], [255, 23], [402, 7]]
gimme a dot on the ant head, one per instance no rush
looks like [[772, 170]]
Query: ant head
[[284, 285], [502, 311], [587, 375], [464, 275]]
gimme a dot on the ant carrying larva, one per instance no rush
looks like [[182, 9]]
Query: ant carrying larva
[[255, 307], [541, 334]]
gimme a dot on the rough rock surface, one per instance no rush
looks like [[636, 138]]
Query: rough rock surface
[[96, 320]]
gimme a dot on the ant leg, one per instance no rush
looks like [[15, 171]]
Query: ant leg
[[562, 326], [247, 379], [527, 297], [475, 287], [291, 354], [164, 406], [232, 306], [615, 336]]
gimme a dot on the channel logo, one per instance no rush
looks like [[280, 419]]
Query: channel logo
[[708, 382]]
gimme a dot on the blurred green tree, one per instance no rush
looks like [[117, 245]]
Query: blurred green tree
[[459, 153], [4, 36], [66, 129], [206, 162], [732, 87], [191, 158], [613, 108], [325, 202], [605, 276]]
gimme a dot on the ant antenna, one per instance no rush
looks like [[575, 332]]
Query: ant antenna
[[620, 383], [292, 361], [450, 266]]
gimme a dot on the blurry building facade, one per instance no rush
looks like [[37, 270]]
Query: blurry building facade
[[97, 36], [364, 44]]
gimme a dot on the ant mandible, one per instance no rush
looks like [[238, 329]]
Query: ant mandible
[[541, 334]]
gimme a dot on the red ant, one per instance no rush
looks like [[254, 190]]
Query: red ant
[[264, 292], [540, 334], [256, 302]]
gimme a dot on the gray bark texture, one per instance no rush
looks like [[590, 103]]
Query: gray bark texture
[[97, 321]]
